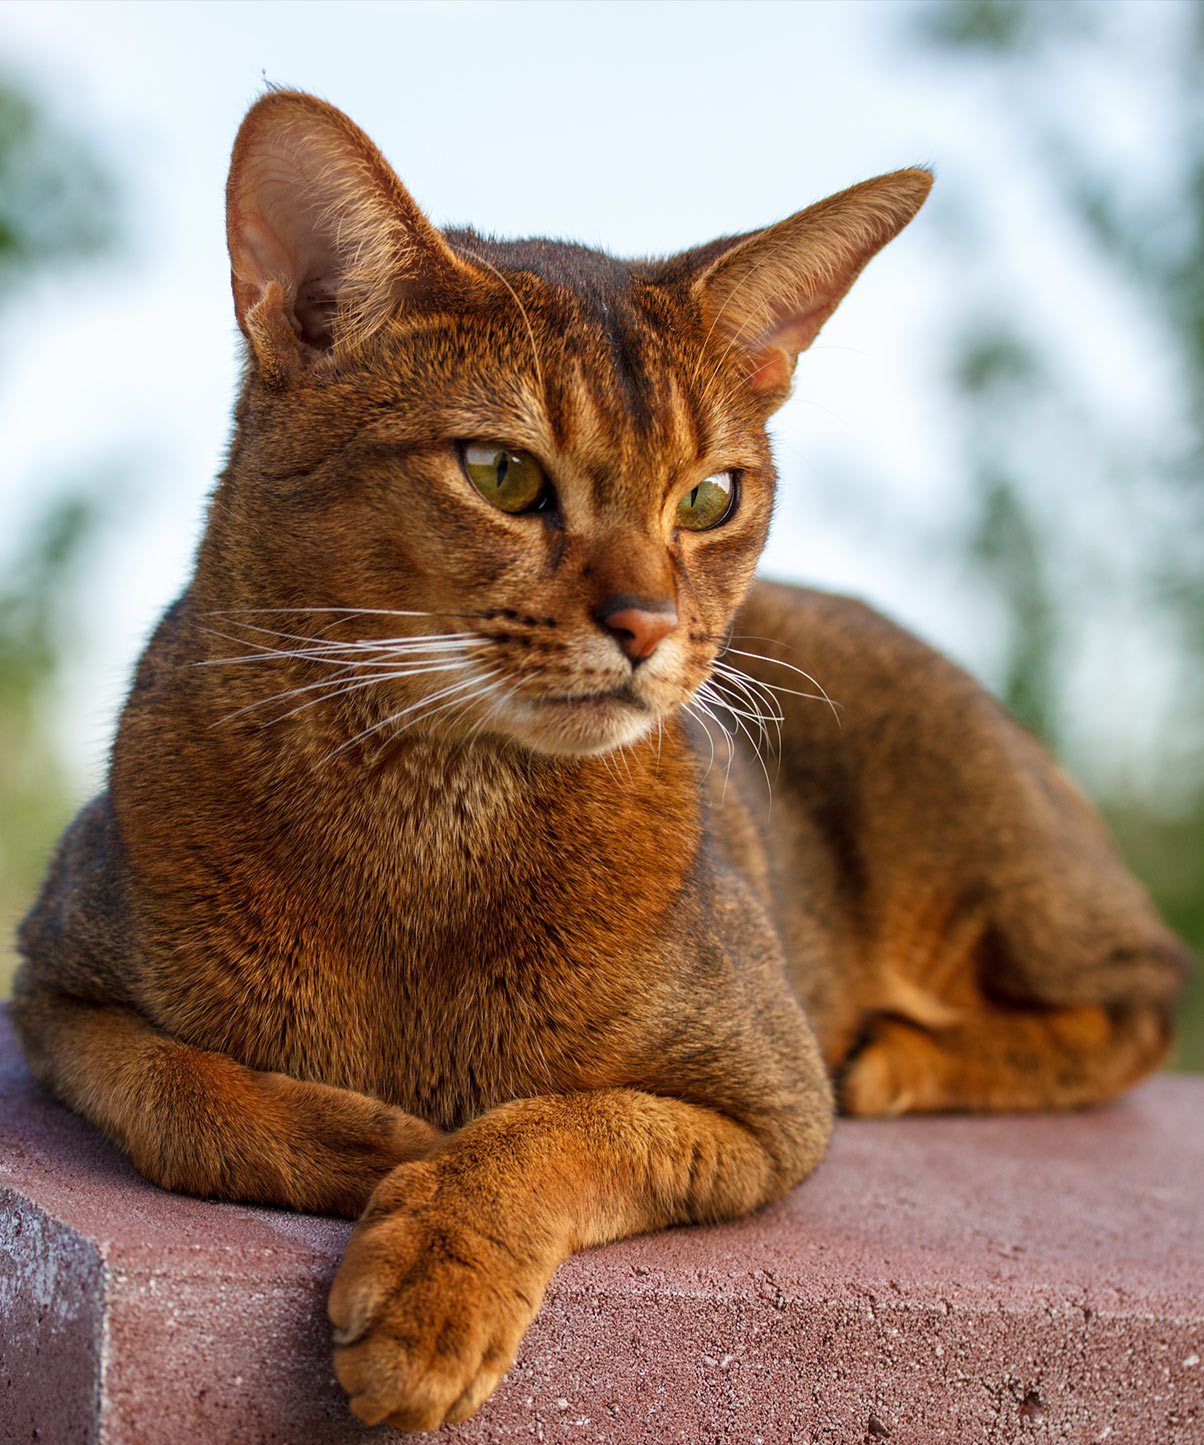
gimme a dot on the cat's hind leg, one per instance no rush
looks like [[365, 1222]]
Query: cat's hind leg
[[963, 1026], [198, 1122], [1005, 1059]]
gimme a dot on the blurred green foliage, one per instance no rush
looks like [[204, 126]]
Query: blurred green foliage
[[1020, 411], [57, 207], [56, 202]]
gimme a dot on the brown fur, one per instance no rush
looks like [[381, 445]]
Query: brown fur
[[517, 971]]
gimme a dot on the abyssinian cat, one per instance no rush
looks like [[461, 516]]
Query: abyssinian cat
[[428, 886]]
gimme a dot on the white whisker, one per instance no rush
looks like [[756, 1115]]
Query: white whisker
[[819, 696], [765, 709], [318, 646], [699, 709], [340, 683], [341, 686], [709, 694], [423, 708], [399, 664], [345, 611], [692, 712]]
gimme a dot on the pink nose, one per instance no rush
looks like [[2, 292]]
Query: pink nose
[[636, 629]]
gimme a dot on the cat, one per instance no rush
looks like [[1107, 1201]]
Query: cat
[[436, 881]]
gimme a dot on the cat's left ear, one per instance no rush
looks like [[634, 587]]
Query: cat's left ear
[[768, 294]]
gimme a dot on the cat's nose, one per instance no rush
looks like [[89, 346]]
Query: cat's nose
[[635, 626]]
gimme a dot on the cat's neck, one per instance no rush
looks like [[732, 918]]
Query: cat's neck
[[421, 809]]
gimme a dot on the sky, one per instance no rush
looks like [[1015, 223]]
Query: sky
[[638, 127]]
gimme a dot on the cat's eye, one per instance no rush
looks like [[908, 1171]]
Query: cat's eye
[[707, 504], [511, 480]]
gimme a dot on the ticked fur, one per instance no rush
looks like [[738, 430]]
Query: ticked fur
[[434, 882]]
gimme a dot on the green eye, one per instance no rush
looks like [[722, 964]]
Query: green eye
[[513, 481], [708, 504]]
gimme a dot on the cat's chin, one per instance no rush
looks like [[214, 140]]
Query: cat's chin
[[576, 726]]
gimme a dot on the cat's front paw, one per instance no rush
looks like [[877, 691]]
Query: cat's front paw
[[428, 1308]]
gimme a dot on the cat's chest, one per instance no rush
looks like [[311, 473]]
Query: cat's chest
[[455, 946], [475, 1041], [448, 1033]]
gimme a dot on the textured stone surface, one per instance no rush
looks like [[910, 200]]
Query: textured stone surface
[[955, 1280]]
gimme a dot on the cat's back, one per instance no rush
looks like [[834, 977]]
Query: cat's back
[[855, 691]]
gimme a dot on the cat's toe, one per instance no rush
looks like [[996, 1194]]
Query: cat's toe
[[896, 1073], [477, 1393], [428, 1312], [413, 1385]]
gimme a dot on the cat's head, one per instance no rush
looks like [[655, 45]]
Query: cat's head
[[505, 488]]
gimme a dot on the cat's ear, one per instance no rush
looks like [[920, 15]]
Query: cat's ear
[[769, 293], [325, 242]]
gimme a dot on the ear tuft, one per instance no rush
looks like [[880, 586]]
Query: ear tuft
[[769, 293], [325, 242]]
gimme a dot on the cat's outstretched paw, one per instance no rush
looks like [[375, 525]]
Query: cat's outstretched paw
[[428, 1309]]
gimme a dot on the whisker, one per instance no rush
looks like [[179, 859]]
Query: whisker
[[698, 718], [485, 687], [701, 706], [501, 695], [417, 661], [366, 654], [764, 705], [329, 682], [819, 696], [334, 682], [708, 692], [419, 639], [423, 707], [711, 691], [341, 611]]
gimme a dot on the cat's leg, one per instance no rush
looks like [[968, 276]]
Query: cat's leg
[[1009, 1004], [450, 1261], [199, 1123], [1006, 1059], [1033, 975]]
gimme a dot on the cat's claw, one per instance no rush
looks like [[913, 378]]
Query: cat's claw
[[428, 1312]]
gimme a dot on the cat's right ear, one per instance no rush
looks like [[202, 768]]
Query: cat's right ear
[[325, 242]]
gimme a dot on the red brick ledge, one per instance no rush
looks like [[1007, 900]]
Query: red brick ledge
[[957, 1280]]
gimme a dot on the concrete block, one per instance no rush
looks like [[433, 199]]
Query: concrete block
[[946, 1279]]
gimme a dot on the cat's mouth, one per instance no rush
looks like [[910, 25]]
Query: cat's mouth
[[578, 722], [623, 695]]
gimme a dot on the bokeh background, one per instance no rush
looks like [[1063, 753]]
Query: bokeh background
[[999, 439]]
